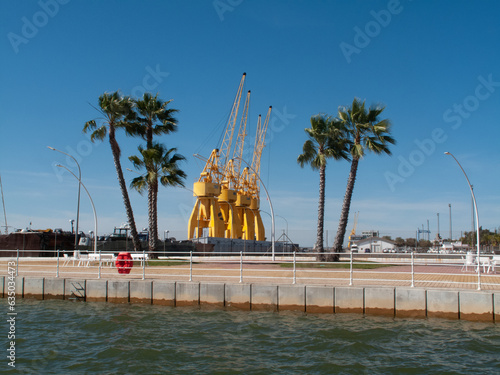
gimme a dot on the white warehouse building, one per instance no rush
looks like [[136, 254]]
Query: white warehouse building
[[375, 245]]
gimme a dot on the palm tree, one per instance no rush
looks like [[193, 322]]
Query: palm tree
[[366, 134], [117, 112], [325, 141], [153, 117], [161, 164]]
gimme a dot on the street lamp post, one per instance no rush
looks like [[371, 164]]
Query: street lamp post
[[93, 207], [449, 205], [79, 179], [477, 221]]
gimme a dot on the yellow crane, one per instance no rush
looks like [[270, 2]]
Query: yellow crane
[[231, 180], [206, 211], [248, 201], [227, 197]]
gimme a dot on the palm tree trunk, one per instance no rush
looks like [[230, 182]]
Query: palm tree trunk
[[121, 180], [344, 215], [153, 216], [321, 214], [152, 197], [151, 245]]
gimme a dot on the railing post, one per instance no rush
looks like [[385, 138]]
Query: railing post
[[143, 263], [241, 266], [17, 263], [412, 270], [190, 266], [57, 271], [350, 270], [294, 269], [478, 271]]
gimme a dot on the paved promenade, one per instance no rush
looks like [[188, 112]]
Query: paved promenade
[[427, 276]]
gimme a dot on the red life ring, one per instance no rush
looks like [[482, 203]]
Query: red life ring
[[124, 263]]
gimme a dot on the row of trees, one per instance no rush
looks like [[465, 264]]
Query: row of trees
[[486, 237], [355, 131], [144, 118]]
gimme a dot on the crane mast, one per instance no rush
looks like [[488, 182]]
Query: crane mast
[[258, 148], [254, 185], [227, 141], [231, 176], [227, 197], [206, 211]]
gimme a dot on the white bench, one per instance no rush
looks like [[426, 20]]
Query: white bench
[[140, 257]]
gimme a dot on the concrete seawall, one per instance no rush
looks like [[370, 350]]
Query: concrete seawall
[[385, 301]]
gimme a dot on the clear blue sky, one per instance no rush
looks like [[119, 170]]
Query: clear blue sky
[[435, 65]]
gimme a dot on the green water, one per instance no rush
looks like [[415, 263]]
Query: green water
[[62, 337]]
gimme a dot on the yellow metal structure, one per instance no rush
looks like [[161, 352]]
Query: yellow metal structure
[[227, 197], [231, 179], [207, 211], [249, 194]]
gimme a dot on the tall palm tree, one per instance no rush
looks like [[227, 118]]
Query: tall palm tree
[[325, 141], [153, 117], [161, 164], [367, 134], [117, 112]]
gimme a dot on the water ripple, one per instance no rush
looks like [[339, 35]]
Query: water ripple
[[60, 337]]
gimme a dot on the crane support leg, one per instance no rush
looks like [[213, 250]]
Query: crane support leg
[[206, 214], [231, 220], [260, 233], [248, 224]]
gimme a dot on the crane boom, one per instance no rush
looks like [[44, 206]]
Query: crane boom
[[240, 140], [207, 212], [258, 148], [232, 169], [227, 196], [225, 148]]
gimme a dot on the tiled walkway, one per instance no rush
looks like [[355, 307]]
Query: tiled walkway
[[429, 276]]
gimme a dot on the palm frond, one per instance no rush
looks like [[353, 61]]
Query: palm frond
[[89, 125], [99, 134], [140, 184]]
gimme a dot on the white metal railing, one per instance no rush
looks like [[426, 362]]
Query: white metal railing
[[411, 269]]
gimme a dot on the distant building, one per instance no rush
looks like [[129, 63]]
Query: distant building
[[453, 247], [375, 245], [370, 233], [363, 235]]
